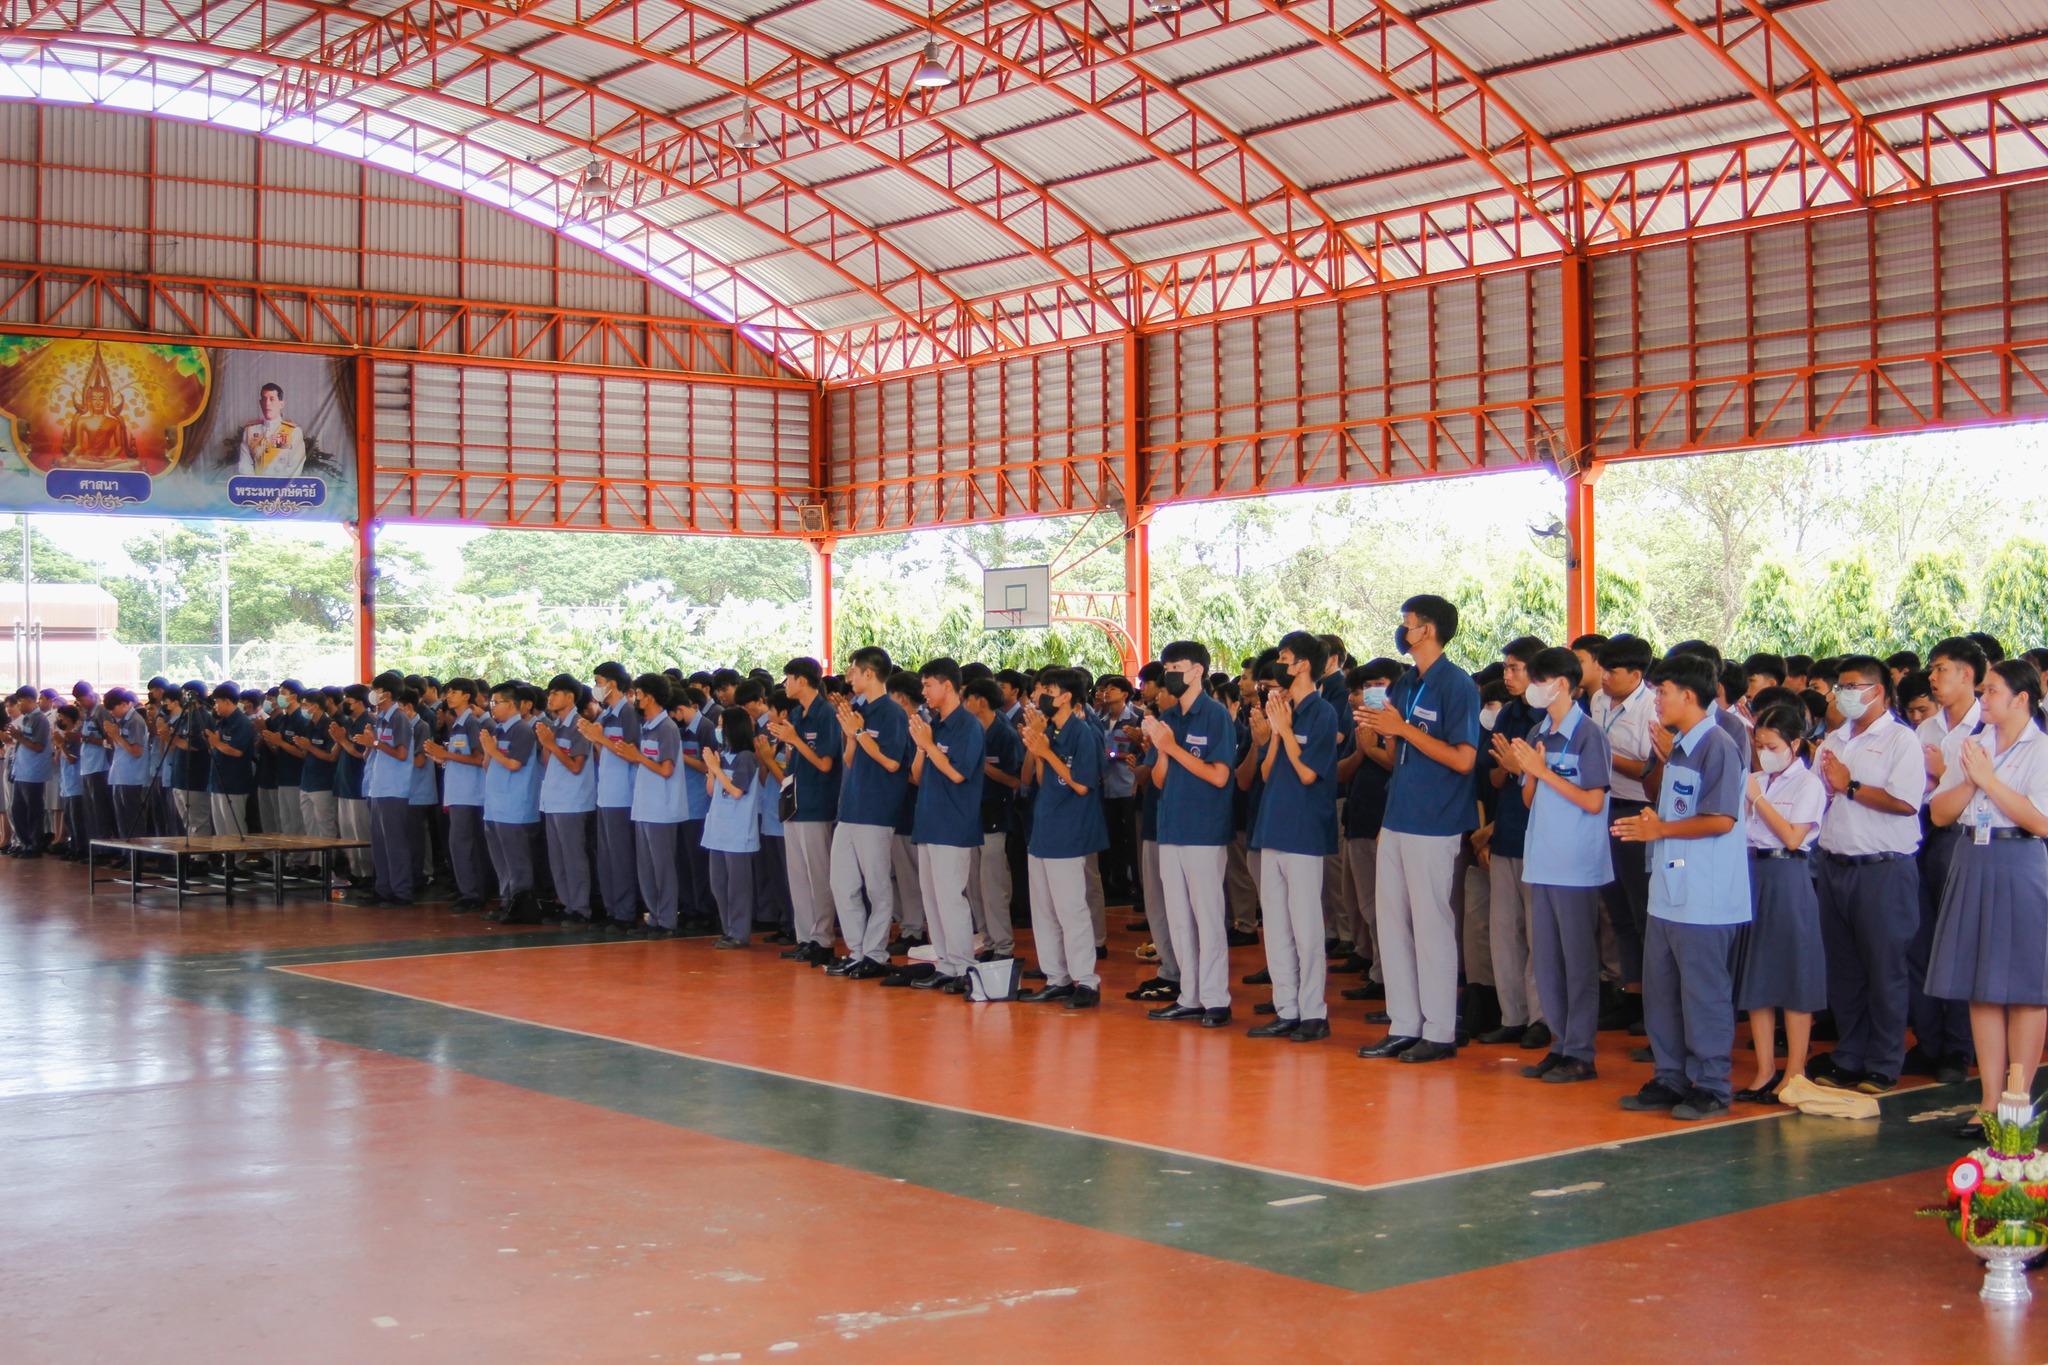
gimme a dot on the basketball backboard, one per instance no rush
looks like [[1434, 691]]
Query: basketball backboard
[[1017, 598]]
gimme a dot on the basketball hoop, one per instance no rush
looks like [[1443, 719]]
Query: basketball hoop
[[1017, 598]]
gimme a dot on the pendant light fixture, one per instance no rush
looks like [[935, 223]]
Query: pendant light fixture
[[931, 73]]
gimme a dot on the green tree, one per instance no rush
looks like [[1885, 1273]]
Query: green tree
[[2015, 594], [568, 569], [1530, 601], [1933, 600], [1845, 614], [1769, 621], [1621, 600], [46, 563]]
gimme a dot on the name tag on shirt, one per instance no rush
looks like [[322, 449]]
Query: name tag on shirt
[[458, 744], [1564, 766], [614, 732], [1681, 801], [1423, 713], [810, 736], [651, 748], [874, 734]]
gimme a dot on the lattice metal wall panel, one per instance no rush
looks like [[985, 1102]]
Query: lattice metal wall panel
[[1038, 435], [571, 451], [1917, 316], [1441, 379]]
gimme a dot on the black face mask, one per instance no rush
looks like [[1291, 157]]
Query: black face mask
[[1400, 639], [1048, 708], [1174, 684]]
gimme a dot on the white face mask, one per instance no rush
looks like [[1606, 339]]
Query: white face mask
[[1542, 694], [1849, 701], [1774, 760], [1488, 717], [1376, 698]]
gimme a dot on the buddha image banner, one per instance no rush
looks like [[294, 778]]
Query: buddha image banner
[[175, 431]]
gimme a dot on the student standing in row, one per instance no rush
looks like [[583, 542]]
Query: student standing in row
[[128, 769], [351, 736], [732, 826], [1193, 747], [1626, 712], [1783, 965], [817, 756], [1068, 760], [568, 796], [658, 803], [878, 759], [1295, 832], [988, 879], [1509, 914], [1869, 882], [1991, 942], [1699, 897], [231, 774], [1941, 1028], [947, 773], [1561, 774], [618, 721], [30, 734], [1433, 715], [511, 803], [461, 756]]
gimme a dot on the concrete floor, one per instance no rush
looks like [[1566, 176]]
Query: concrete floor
[[322, 1133]]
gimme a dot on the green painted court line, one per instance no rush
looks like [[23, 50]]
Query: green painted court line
[[1354, 1239]]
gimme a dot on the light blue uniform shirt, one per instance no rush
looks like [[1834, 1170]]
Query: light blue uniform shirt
[[388, 778], [620, 721], [694, 740], [30, 766], [1702, 881], [93, 757], [126, 769], [767, 791], [733, 824], [561, 791], [424, 791], [659, 800], [513, 798], [462, 784], [1564, 845]]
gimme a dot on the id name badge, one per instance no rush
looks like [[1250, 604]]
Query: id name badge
[[1980, 822]]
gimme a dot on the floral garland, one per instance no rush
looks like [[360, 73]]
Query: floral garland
[[1998, 1195]]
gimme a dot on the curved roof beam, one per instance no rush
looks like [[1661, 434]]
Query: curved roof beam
[[1437, 85], [847, 242], [1779, 74], [965, 175]]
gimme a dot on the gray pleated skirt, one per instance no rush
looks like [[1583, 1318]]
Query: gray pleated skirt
[[1991, 939], [1782, 963]]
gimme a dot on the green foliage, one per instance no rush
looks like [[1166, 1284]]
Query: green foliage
[[1530, 601], [2015, 595], [575, 569], [2011, 1139], [1621, 600], [1845, 614], [46, 562], [1770, 620], [1932, 602]]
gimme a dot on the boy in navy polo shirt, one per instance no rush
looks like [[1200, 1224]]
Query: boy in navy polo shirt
[[1194, 751], [1507, 901], [1562, 774], [871, 800], [1433, 715], [817, 756], [1068, 758], [1365, 771], [1296, 829], [946, 828], [1699, 897], [988, 879]]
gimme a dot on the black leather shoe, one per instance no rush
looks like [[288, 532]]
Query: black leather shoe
[[867, 969], [1569, 1070], [1371, 990], [934, 982], [1311, 1031], [1175, 1012], [1049, 993], [1539, 1070], [800, 953], [1506, 1033], [843, 966], [955, 985], [1279, 1028], [1240, 938], [1261, 977], [899, 946], [1265, 1007], [1216, 1018], [1392, 1045], [1537, 1035], [1378, 1017], [1426, 1051], [1084, 998]]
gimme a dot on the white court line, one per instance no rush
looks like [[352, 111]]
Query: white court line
[[1781, 1110]]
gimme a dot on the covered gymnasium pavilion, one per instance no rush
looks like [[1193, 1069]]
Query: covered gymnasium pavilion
[[819, 268]]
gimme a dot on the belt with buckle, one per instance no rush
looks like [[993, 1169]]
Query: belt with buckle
[[1862, 859], [1763, 853], [2014, 832]]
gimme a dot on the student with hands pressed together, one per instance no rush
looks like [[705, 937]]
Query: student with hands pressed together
[[1066, 758], [1193, 744], [1991, 941], [946, 823], [658, 802], [876, 761]]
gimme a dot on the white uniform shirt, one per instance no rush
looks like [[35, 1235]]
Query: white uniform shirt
[[1936, 733], [1799, 795], [2024, 768], [1627, 725], [1886, 756]]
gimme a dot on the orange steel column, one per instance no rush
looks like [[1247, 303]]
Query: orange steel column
[[366, 536], [821, 585], [1137, 521], [1580, 610]]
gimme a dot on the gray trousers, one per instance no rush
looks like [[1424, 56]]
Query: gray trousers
[[128, 820], [1472, 912], [1060, 926], [1418, 933], [511, 856], [1514, 972], [195, 812], [569, 859], [1689, 1003], [1155, 910], [230, 814], [266, 810], [807, 846], [318, 816], [617, 881], [1564, 949], [942, 873], [732, 886], [288, 818], [354, 815], [909, 895], [1291, 885], [862, 890], [1241, 887], [468, 857], [1191, 878], [390, 845], [1868, 915], [1098, 902], [654, 858], [1361, 858], [988, 892]]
